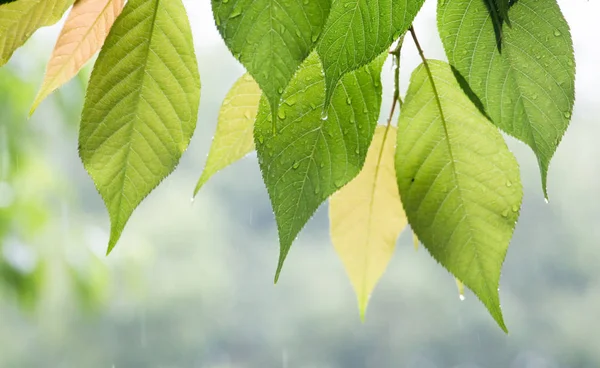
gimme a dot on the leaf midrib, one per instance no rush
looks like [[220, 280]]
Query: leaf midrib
[[370, 214], [455, 172], [84, 37], [136, 119]]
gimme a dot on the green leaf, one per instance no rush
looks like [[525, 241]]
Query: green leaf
[[19, 19], [311, 156], [459, 183], [141, 105], [358, 31], [271, 39], [528, 90], [234, 137]]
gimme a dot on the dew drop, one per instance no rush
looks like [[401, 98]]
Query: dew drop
[[508, 183], [505, 213], [461, 297], [324, 115], [567, 114], [235, 13], [296, 165], [557, 33]]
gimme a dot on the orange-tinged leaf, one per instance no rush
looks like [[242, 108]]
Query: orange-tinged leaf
[[83, 34], [366, 217]]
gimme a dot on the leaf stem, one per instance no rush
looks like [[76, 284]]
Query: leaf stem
[[396, 60], [430, 75]]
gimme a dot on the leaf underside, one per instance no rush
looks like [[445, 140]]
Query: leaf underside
[[141, 105], [458, 181], [311, 156], [529, 89]]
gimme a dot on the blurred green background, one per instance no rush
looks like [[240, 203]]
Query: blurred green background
[[190, 285]]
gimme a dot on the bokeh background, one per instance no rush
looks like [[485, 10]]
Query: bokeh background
[[191, 285]]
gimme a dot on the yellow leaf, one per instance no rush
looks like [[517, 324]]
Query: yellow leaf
[[82, 36], [234, 137], [366, 217]]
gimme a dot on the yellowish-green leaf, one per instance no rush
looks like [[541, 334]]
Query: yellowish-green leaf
[[459, 183], [141, 105], [19, 19], [82, 36], [234, 138], [461, 289], [366, 217]]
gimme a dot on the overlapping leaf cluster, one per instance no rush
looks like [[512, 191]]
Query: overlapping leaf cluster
[[310, 106]]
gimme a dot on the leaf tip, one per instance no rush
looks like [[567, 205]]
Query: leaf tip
[[496, 312], [109, 249], [115, 234], [276, 278], [34, 106], [363, 302], [279, 268], [545, 185], [199, 186]]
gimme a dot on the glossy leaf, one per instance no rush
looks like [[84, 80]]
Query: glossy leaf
[[271, 39], [81, 37], [459, 183], [529, 89], [19, 19], [141, 105], [311, 156], [234, 137], [366, 217], [358, 31]]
